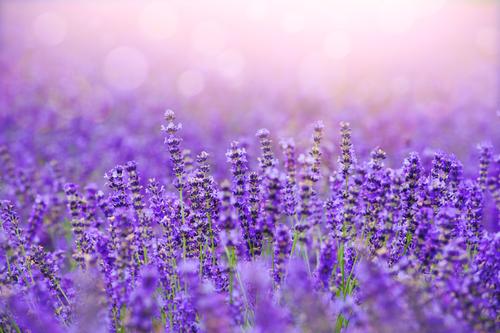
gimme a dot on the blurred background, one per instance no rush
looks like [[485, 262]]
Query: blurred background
[[409, 74]]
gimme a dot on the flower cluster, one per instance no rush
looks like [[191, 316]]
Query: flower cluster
[[257, 244]]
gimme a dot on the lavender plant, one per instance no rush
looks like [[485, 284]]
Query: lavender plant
[[257, 244]]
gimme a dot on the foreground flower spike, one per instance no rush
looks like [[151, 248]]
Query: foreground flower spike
[[334, 218], [305, 186], [135, 186], [31, 312], [36, 219], [472, 227], [116, 182], [210, 203], [143, 304], [267, 160], [309, 307], [347, 193], [78, 224], [374, 197], [270, 316], [197, 220], [227, 220], [212, 309], [392, 309], [47, 266], [411, 172], [440, 177], [178, 168], [255, 201], [21, 265], [347, 159], [124, 265], [327, 263], [271, 203], [187, 159], [173, 142], [143, 232], [315, 152], [237, 157], [290, 196], [91, 203], [479, 296], [314, 175], [485, 154], [8, 170], [157, 200], [494, 184], [282, 247]]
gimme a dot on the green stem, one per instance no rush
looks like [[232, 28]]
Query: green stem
[[8, 264], [296, 234], [123, 314], [201, 260], [409, 237], [349, 278], [245, 299], [212, 241], [58, 286], [23, 252], [231, 262], [184, 246], [170, 316], [181, 202], [16, 327], [294, 243], [145, 253], [306, 258], [338, 324], [342, 265]]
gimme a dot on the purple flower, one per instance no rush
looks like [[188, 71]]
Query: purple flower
[[301, 246], [412, 170], [90, 204], [306, 192], [173, 142], [269, 315], [271, 203], [315, 152], [290, 190], [116, 182], [282, 248], [267, 160], [227, 220], [255, 199], [36, 219], [485, 154], [237, 157], [347, 158], [143, 306], [327, 262]]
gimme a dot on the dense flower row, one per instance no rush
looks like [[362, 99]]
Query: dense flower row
[[289, 246]]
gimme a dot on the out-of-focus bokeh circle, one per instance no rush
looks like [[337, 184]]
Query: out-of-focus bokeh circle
[[125, 68], [49, 28]]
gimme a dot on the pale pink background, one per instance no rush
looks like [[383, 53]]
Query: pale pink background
[[370, 50]]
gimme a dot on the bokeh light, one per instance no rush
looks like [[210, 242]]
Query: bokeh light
[[125, 68], [49, 28]]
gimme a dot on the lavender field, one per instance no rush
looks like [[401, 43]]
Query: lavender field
[[285, 166]]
